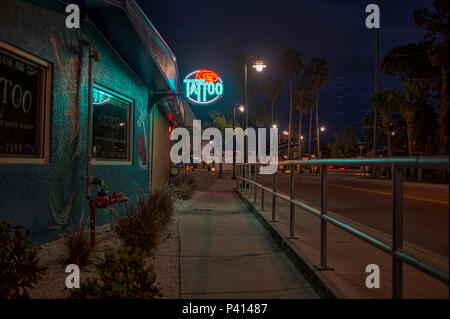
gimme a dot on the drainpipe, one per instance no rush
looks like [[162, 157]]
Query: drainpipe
[[93, 56]]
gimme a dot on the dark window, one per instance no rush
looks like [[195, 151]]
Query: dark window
[[111, 126], [24, 101]]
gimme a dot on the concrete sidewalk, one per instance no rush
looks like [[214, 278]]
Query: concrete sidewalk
[[226, 253]]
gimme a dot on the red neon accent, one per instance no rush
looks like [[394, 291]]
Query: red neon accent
[[175, 123], [207, 75], [170, 117]]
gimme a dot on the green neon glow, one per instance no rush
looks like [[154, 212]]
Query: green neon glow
[[199, 91]]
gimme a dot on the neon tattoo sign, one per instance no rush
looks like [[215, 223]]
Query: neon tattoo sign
[[203, 87]]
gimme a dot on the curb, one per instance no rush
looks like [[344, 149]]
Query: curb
[[307, 270]]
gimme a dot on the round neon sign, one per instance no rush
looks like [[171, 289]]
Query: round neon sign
[[203, 87]]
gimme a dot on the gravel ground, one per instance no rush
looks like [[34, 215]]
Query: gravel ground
[[165, 260]]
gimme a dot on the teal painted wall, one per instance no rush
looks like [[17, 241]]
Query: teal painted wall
[[50, 197]]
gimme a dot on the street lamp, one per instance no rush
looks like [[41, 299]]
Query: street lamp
[[259, 66], [322, 129], [242, 109]]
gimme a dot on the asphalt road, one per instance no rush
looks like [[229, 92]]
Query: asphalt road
[[369, 202]]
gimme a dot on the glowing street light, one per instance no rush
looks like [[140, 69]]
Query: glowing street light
[[259, 66], [285, 132], [322, 128], [274, 125], [241, 108]]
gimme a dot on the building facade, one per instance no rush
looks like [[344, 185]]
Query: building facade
[[49, 143]]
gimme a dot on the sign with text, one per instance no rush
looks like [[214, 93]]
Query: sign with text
[[203, 87], [111, 126], [21, 106]]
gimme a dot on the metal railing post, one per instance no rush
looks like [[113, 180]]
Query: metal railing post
[[262, 192], [255, 189], [397, 231], [249, 178], [237, 179], [323, 223], [292, 206], [274, 197]]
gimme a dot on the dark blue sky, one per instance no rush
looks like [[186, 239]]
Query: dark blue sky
[[209, 34]]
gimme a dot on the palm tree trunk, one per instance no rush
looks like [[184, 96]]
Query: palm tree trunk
[[290, 119], [300, 149], [388, 136], [409, 133], [310, 132], [317, 125], [443, 114], [273, 102]]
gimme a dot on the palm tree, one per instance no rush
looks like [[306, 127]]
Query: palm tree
[[307, 83], [291, 64], [259, 114], [319, 69], [386, 102], [303, 102], [273, 86], [408, 109]]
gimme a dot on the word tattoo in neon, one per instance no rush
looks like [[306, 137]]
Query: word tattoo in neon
[[203, 87]]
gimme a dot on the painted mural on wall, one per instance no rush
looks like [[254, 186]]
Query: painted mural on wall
[[68, 154], [141, 140]]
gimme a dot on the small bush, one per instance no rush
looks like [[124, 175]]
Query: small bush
[[78, 247], [185, 185], [78, 244], [183, 191], [19, 262], [123, 275], [144, 224], [186, 178]]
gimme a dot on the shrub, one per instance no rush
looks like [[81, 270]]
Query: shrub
[[78, 247], [144, 224], [186, 178], [78, 244], [183, 191], [123, 275], [19, 262], [185, 185]]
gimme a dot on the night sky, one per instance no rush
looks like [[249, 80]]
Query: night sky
[[210, 34]]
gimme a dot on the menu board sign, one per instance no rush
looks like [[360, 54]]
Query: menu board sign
[[21, 106]]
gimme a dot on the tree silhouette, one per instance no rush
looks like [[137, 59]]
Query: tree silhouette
[[272, 87], [291, 64], [319, 70]]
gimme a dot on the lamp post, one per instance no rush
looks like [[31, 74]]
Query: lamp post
[[322, 129], [242, 109], [259, 66]]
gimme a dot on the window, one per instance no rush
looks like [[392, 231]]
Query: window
[[25, 97], [111, 126]]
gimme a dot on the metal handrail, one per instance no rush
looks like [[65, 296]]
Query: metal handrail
[[396, 250]]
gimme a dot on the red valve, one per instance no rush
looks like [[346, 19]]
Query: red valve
[[102, 201]]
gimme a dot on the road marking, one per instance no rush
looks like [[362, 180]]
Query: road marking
[[387, 193]]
